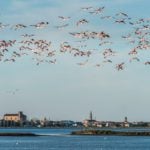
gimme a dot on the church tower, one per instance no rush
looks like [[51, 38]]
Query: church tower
[[91, 116]]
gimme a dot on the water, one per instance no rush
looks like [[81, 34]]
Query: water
[[59, 139]]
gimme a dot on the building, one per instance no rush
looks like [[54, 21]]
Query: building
[[126, 124], [91, 122], [19, 117]]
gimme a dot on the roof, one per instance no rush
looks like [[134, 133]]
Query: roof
[[11, 115]]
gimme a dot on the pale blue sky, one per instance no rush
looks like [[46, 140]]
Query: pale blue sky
[[66, 90]]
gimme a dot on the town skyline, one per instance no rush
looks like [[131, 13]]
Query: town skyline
[[89, 116], [21, 120], [69, 86]]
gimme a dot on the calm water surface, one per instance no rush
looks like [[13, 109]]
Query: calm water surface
[[58, 139]]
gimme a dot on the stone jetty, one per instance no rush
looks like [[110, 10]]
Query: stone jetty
[[111, 133]]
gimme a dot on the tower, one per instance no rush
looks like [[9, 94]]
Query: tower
[[125, 119], [91, 115]]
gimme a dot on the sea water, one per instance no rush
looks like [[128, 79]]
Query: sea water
[[59, 139]]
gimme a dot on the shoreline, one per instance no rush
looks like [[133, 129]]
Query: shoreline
[[18, 134], [110, 133]]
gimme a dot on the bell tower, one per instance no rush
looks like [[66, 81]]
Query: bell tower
[[91, 116]]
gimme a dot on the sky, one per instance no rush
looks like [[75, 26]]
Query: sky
[[66, 90]]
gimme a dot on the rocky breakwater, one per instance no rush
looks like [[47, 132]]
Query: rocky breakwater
[[110, 132]]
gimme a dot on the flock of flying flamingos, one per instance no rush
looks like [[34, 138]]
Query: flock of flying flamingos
[[42, 50]]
